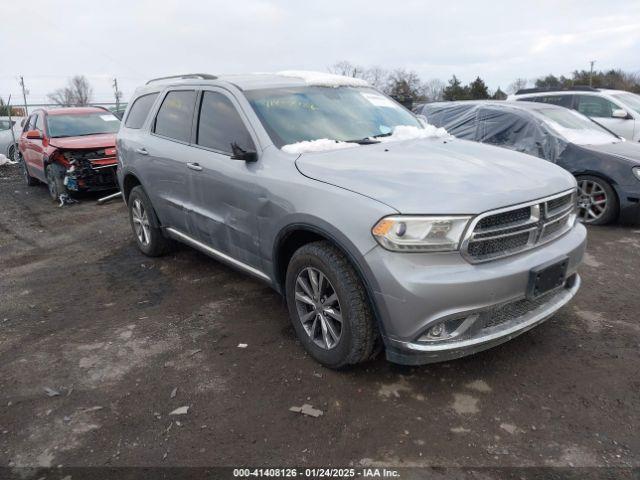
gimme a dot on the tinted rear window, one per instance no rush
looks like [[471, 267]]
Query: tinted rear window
[[176, 115], [140, 110]]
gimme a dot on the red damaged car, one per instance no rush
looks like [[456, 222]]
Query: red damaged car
[[70, 149]]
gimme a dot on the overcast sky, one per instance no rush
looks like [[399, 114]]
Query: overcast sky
[[49, 41]]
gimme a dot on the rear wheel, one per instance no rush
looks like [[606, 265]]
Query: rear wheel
[[145, 225], [597, 201], [329, 306]]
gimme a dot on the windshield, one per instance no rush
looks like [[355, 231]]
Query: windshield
[[575, 128], [298, 114], [79, 125], [5, 125], [631, 100]]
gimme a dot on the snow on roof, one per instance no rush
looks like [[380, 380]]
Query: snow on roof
[[321, 79], [401, 132]]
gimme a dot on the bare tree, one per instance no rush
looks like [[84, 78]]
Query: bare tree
[[376, 76], [347, 69], [517, 84], [433, 90], [77, 93]]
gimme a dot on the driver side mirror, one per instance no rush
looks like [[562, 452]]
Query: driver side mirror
[[619, 113], [241, 154], [34, 135]]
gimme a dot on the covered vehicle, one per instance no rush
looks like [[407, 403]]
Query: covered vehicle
[[607, 167], [70, 149], [10, 129]]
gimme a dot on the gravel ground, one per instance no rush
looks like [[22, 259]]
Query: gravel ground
[[123, 340]]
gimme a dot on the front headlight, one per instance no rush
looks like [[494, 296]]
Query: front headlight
[[420, 233], [636, 172]]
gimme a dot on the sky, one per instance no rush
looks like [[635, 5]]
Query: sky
[[48, 41]]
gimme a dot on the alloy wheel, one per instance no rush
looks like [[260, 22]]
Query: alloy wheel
[[592, 200], [318, 308], [141, 222]]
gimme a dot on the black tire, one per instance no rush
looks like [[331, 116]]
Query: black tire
[[54, 174], [359, 339], [156, 243], [28, 179], [612, 205]]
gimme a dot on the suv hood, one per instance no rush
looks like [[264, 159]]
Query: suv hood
[[101, 140], [436, 176]]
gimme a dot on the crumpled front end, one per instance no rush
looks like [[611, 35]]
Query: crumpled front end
[[88, 170]]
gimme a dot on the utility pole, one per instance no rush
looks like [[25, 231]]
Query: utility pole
[[117, 93], [24, 96], [591, 73]]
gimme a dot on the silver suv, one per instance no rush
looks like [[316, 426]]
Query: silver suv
[[380, 231]]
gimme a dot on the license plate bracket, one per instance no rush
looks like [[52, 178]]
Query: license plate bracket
[[547, 277]]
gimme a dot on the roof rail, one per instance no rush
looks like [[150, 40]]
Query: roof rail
[[578, 88], [200, 76]]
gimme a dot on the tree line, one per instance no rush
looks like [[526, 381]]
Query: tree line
[[407, 87]]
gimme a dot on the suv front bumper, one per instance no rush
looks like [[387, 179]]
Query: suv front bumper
[[422, 290]]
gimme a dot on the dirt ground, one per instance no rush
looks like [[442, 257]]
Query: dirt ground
[[124, 340]]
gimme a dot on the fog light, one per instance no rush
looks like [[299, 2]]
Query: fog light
[[437, 330], [449, 329]]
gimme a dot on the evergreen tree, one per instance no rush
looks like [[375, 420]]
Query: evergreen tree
[[499, 95], [478, 89], [455, 90]]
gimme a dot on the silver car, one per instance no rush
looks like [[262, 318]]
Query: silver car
[[10, 130], [382, 232]]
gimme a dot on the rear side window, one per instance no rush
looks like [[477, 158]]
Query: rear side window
[[561, 100], [175, 116], [593, 106], [140, 110], [220, 125]]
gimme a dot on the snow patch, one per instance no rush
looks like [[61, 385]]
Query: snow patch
[[583, 137], [320, 145], [321, 79], [400, 133], [409, 132], [6, 161]]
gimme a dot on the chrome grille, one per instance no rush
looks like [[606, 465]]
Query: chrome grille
[[515, 229]]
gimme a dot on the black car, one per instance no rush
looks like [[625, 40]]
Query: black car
[[606, 167]]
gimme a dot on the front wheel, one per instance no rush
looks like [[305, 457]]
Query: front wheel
[[145, 225], [597, 201], [54, 174], [329, 306]]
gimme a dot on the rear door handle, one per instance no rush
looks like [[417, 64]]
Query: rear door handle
[[194, 166], [142, 151]]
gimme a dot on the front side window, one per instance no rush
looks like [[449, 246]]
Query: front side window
[[593, 106], [220, 126], [4, 124], [296, 114], [30, 124], [139, 110], [631, 100], [39, 122], [175, 116], [78, 125]]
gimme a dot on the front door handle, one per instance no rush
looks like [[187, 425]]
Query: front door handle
[[194, 166], [142, 151]]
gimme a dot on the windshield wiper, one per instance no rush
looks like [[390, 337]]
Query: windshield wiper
[[364, 141], [370, 139]]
